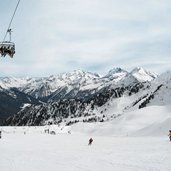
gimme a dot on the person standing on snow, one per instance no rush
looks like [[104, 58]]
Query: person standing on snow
[[169, 135], [0, 133], [90, 141]]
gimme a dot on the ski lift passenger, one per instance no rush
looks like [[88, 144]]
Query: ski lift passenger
[[7, 48]]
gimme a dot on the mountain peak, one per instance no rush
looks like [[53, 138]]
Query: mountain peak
[[143, 75], [116, 74], [116, 70], [138, 69]]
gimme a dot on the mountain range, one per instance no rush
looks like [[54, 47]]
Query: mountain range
[[81, 96]]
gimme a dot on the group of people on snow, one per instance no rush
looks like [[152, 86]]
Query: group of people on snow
[[91, 139]]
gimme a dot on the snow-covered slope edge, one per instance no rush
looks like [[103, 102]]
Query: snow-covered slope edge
[[149, 121]]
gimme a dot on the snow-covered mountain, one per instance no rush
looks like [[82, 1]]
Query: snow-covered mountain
[[12, 100], [9, 82], [160, 91], [84, 96], [77, 83], [116, 74], [143, 75]]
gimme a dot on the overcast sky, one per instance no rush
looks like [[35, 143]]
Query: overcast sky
[[56, 36]]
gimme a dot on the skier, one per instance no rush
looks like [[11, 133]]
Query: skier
[[169, 135], [90, 141], [0, 133], [47, 131]]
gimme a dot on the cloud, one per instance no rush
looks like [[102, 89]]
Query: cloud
[[57, 36]]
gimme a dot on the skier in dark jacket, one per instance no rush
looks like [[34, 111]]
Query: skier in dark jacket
[[169, 135], [0, 133], [90, 141]]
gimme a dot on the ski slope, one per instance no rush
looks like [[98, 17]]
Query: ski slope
[[135, 141], [37, 151], [148, 121]]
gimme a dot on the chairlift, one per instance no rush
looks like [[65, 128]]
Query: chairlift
[[8, 47]]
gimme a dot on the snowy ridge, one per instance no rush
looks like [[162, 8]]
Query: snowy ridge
[[9, 82], [81, 96], [142, 75], [79, 80]]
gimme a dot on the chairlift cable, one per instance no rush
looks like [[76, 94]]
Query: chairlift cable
[[11, 20], [8, 47]]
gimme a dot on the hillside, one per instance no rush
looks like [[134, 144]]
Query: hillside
[[81, 96], [12, 101]]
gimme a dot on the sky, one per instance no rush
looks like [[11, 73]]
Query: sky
[[58, 36]]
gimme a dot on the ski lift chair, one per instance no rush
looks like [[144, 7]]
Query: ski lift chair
[[7, 48]]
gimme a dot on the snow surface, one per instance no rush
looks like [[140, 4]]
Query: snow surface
[[135, 141], [149, 121], [37, 151]]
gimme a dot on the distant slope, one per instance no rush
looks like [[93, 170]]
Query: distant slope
[[149, 121]]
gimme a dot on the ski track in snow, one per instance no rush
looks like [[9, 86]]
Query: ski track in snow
[[37, 151]]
